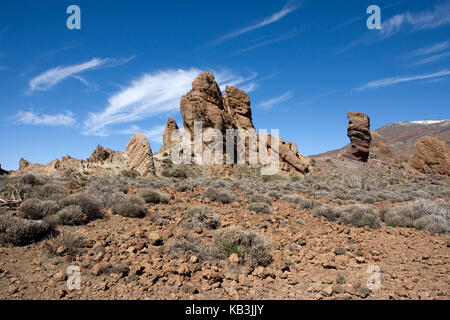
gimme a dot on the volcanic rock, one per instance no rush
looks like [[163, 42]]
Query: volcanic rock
[[237, 103], [379, 148], [140, 156], [168, 141], [205, 103], [358, 130], [23, 164], [100, 154], [2, 172], [432, 156]]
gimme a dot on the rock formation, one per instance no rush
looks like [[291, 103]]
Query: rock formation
[[23, 164], [432, 156], [101, 154], [205, 103], [358, 130], [379, 148], [168, 142], [2, 172], [140, 156]]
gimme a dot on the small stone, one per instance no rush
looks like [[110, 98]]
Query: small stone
[[339, 251], [234, 258], [193, 259], [61, 250]]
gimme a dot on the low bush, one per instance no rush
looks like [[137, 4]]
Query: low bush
[[153, 196], [252, 248], [200, 216], [71, 215], [219, 195], [175, 173], [355, 215], [433, 216], [260, 207], [37, 209], [21, 232], [90, 205], [66, 244], [130, 206]]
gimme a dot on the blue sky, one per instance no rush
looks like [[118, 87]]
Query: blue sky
[[305, 64]]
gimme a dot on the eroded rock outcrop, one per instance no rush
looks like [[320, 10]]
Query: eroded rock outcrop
[[140, 156], [358, 130], [205, 103], [101, 154], [23, 164], [3, 172], [168, 141], [379, 148], [432, 156]]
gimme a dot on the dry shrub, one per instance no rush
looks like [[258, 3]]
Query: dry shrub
[[355, 215], [21, 232], [219, 195], [201, 216], [252, 248], [260, 207], [37, 209], [130, 206]]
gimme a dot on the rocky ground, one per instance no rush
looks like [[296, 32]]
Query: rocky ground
[[312, 258]]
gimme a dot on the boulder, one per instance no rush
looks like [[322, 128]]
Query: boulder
[[168, 142], [237, 103], [101, 154], [23, 164], [358, 130], [379, 148], [432, 156], [140, 156]]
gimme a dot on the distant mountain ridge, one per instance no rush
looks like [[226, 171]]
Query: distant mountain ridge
[[401, 137]]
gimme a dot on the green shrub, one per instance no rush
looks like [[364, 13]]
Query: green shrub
[[130, 173], [153, 196], [252, 248], [175, 173]]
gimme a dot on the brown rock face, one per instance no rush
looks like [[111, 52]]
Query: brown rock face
[[205, 103], [237, 104], [358, 130], [100, 154], [23, 164], [140, 156], [378, 147], [171, 127], [432, 156]]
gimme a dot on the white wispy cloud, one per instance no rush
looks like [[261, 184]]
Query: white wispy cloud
[[52, 77], [154, 134], [289, 7], [287, 36], [61, 119], [425, 20], [277, 100], [152, 94], [429, 19], [433, 58], [395, 80], [438, 47]]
